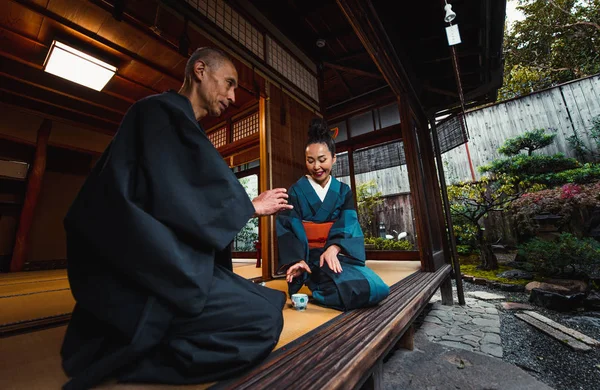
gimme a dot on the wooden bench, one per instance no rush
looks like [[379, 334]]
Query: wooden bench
[[348, 351]]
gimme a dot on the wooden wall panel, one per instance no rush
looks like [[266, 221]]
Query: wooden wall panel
[[289, 127], [289, 122]]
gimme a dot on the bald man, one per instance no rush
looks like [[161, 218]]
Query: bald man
[[148, 248]]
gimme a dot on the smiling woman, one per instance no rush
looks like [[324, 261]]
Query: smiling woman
[[320, 240]]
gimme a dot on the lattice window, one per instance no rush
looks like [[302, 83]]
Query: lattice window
[[218, 137], [292, 69], [245, 127], [232, 23]]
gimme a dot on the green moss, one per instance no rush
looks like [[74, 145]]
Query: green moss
[[471, 269], [469, 259]]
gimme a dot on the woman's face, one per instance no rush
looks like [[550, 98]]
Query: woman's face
[[319, 162]]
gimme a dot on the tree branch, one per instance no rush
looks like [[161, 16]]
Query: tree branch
[[592, 24], [559, 8]]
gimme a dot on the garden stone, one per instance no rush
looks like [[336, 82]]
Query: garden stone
[[516, 306], [468, 278], [485, 295], [516, 274], [492, 349], [565, 287], [507, 287], [592, 302], [555, 301], [456, 344], [491, 338], [486, 322]]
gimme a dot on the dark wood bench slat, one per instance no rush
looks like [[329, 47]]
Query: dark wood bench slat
[[344, 323], [342, 353]]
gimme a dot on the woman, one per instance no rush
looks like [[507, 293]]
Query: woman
[[320, 240]]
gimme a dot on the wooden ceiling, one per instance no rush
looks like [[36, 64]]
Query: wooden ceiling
[[347, 69], [416, 30], [142, 39], [147, 59]]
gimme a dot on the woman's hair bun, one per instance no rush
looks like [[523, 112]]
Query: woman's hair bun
[[318, 130]]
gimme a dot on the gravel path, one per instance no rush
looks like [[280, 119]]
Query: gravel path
[[544, 357]]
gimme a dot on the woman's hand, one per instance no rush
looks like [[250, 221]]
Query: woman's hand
[[296, 270], [330, 257]]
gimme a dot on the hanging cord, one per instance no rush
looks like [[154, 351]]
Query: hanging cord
[[458, 83]]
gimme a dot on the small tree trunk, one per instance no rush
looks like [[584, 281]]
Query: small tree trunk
[[489, 261]]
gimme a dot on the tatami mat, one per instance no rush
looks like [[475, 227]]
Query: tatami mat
[[32, 360], [248, 271], [299, 323], [27, 296]]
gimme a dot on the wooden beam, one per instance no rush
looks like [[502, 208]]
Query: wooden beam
[[439, 91], [366, 24], [240, 145], [59, 100], [34, 187], [349, 56], [378, 137], [360, 103], [355, 71], [344, 83], [49, 110]]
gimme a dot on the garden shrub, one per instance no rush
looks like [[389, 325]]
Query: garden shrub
[[567, 255], [389, 245]]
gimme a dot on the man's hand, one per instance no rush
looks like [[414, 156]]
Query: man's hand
[[296, 270], [271, 202], [330, 257]]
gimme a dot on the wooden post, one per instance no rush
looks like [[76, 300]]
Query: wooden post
[[446, 291], [34, 187], [264, 223], [352, 178], [407, 341], [452, 240], [375, 380], [417, 191]]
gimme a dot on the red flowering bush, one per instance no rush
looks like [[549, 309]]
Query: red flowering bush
[[573, 203]]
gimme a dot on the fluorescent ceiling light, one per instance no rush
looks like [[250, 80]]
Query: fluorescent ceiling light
[[74, 65]]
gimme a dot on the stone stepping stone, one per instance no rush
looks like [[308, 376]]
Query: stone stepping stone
[[486, 296], [516, 306], [555, 333]]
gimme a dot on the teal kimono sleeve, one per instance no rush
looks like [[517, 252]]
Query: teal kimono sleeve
[[291, 237], [346, 232]]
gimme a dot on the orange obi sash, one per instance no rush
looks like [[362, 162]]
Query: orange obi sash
[[317, 233]]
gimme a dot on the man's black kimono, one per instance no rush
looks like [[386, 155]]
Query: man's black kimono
[[148, 260]]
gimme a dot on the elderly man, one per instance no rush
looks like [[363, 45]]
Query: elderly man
[[147, 248]]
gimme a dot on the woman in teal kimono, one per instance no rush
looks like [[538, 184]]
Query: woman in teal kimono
[[334, 270]]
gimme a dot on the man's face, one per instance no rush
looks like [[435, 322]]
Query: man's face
[[217, 89]]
